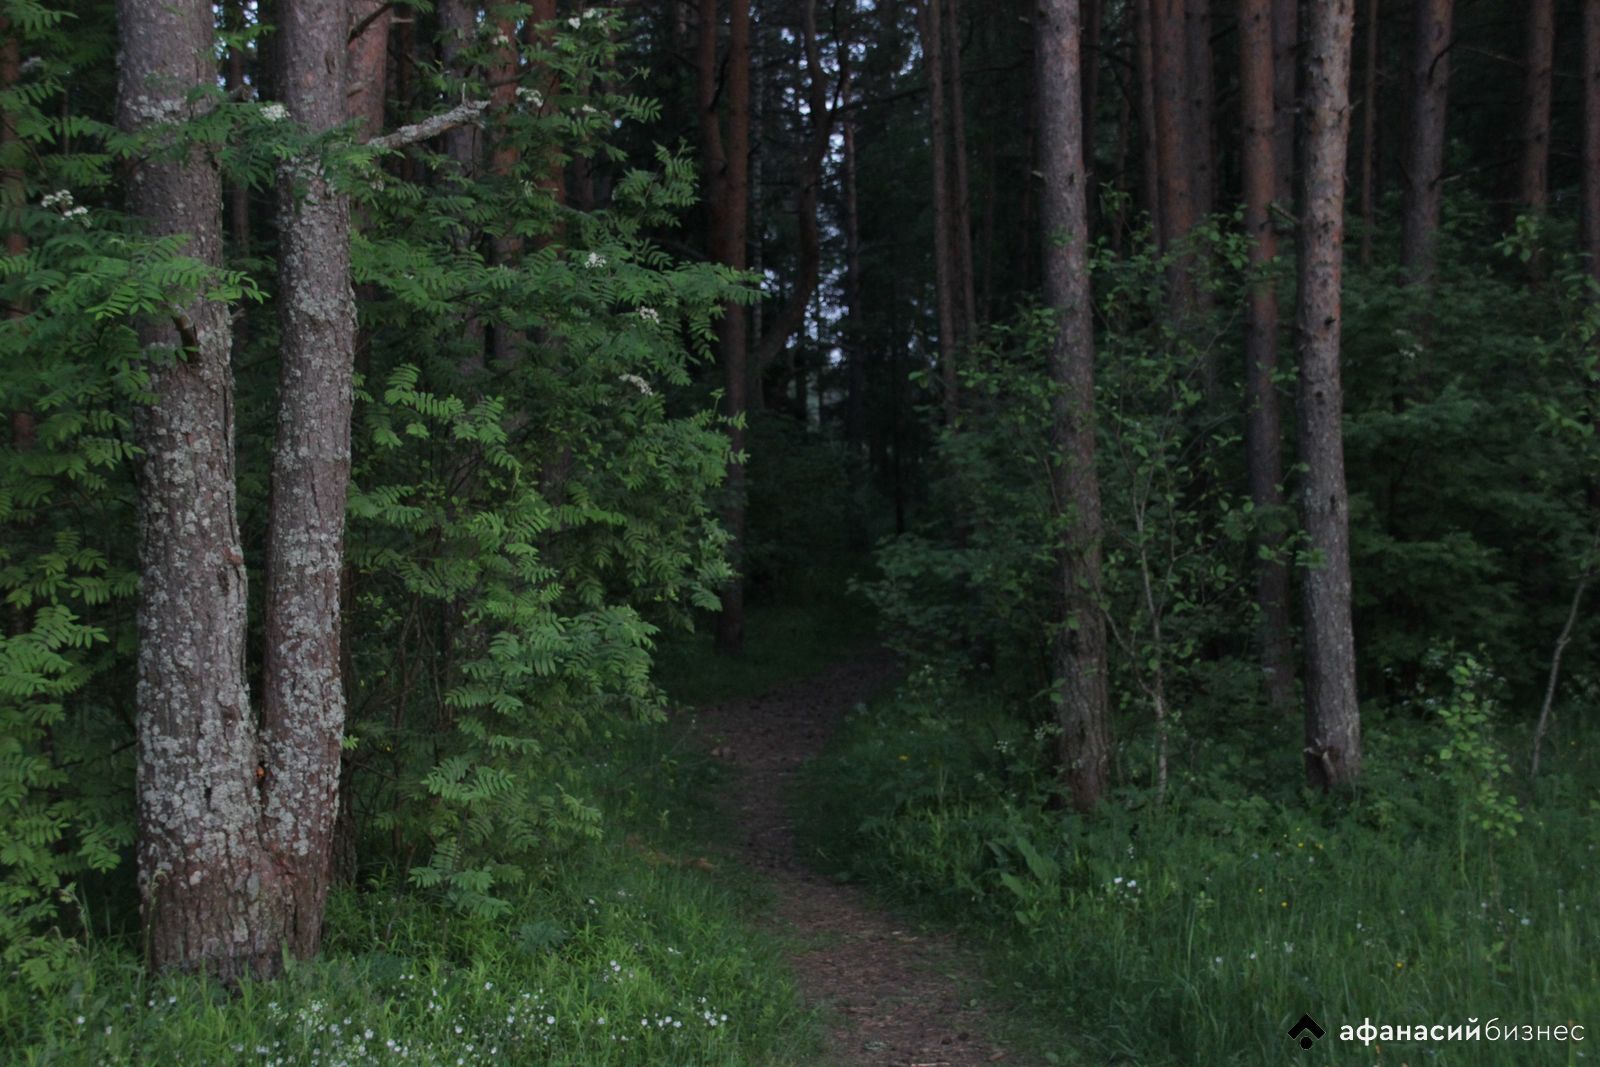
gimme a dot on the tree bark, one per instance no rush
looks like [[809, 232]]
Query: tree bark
[[1200, 99], [943, 257], [233, 81], [1369, 135], [367, 64], [791, 318], [209, 900], [727, 163], [1263, 422], [1424, 169], [1150, 144], [1080, 642], [303, 708], [1170, 46], [1094, 18], [1533, 183], [961, 214], [1285, 96], [1332, 724], [1589, 179]]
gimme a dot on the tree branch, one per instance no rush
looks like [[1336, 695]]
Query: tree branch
[[469, 113]]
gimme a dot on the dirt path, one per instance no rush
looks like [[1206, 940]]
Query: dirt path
[[893, 998]]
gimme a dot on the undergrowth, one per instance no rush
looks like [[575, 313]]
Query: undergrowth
[[633, 949], [1198, 929]]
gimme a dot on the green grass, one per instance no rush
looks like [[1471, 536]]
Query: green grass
[[1197, 931], [631, 950]]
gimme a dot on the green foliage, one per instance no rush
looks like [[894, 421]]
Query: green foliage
[[522, 525], [531, 501], [1470, 760], [975, 595]]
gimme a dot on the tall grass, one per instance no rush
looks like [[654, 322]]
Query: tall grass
[[1198, 930]]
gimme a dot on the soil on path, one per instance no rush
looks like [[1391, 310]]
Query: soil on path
[[895, 994]]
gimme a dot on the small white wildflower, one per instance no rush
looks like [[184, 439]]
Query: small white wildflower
[[81, 1020], [550, 1020], [593, 261], [650, 315], [502, 41], [488, 985], [595, 13], [274, 112], [575, 22], [531, 96], [61, 198]]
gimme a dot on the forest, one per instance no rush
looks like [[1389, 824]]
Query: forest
[[787, 532]]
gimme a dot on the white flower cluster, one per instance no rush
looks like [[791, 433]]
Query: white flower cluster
[[594, 261], [531, 97], [274, 112], [62, 201], [594, 14], [638, 383], [650, 315]]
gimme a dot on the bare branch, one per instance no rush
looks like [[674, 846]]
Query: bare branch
[[469, 113]]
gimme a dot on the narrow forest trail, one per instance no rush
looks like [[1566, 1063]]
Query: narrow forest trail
[[894, 994]]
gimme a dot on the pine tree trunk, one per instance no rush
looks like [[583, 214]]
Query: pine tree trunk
[[1333, 724], [209, 900], [1589, 186], [303, 707], [1176, 171], [1200, 93], [1080, 641], [1424, 169], [1285, 95], [961, 215], [943, 257], [1369, 135], [791, 318], [1263, 422], [727, 162], [367, 64], [1534, 173], [1150, 144]]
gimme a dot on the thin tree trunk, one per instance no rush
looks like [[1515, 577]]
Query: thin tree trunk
[[791, 318], [1285, 95], [1369, 134], [458, 27], [209, 900], [367, 64], [1094, 17], [1150, 144], [233, 80], [1080, 641], [1534, 174], [1589, 178], [1263, 421], [961, 215], [1200, 93], [1176, 170], [1424, 169], [1333, 724], [855, 348], [303, 706], [727, 178], [943, 261]]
